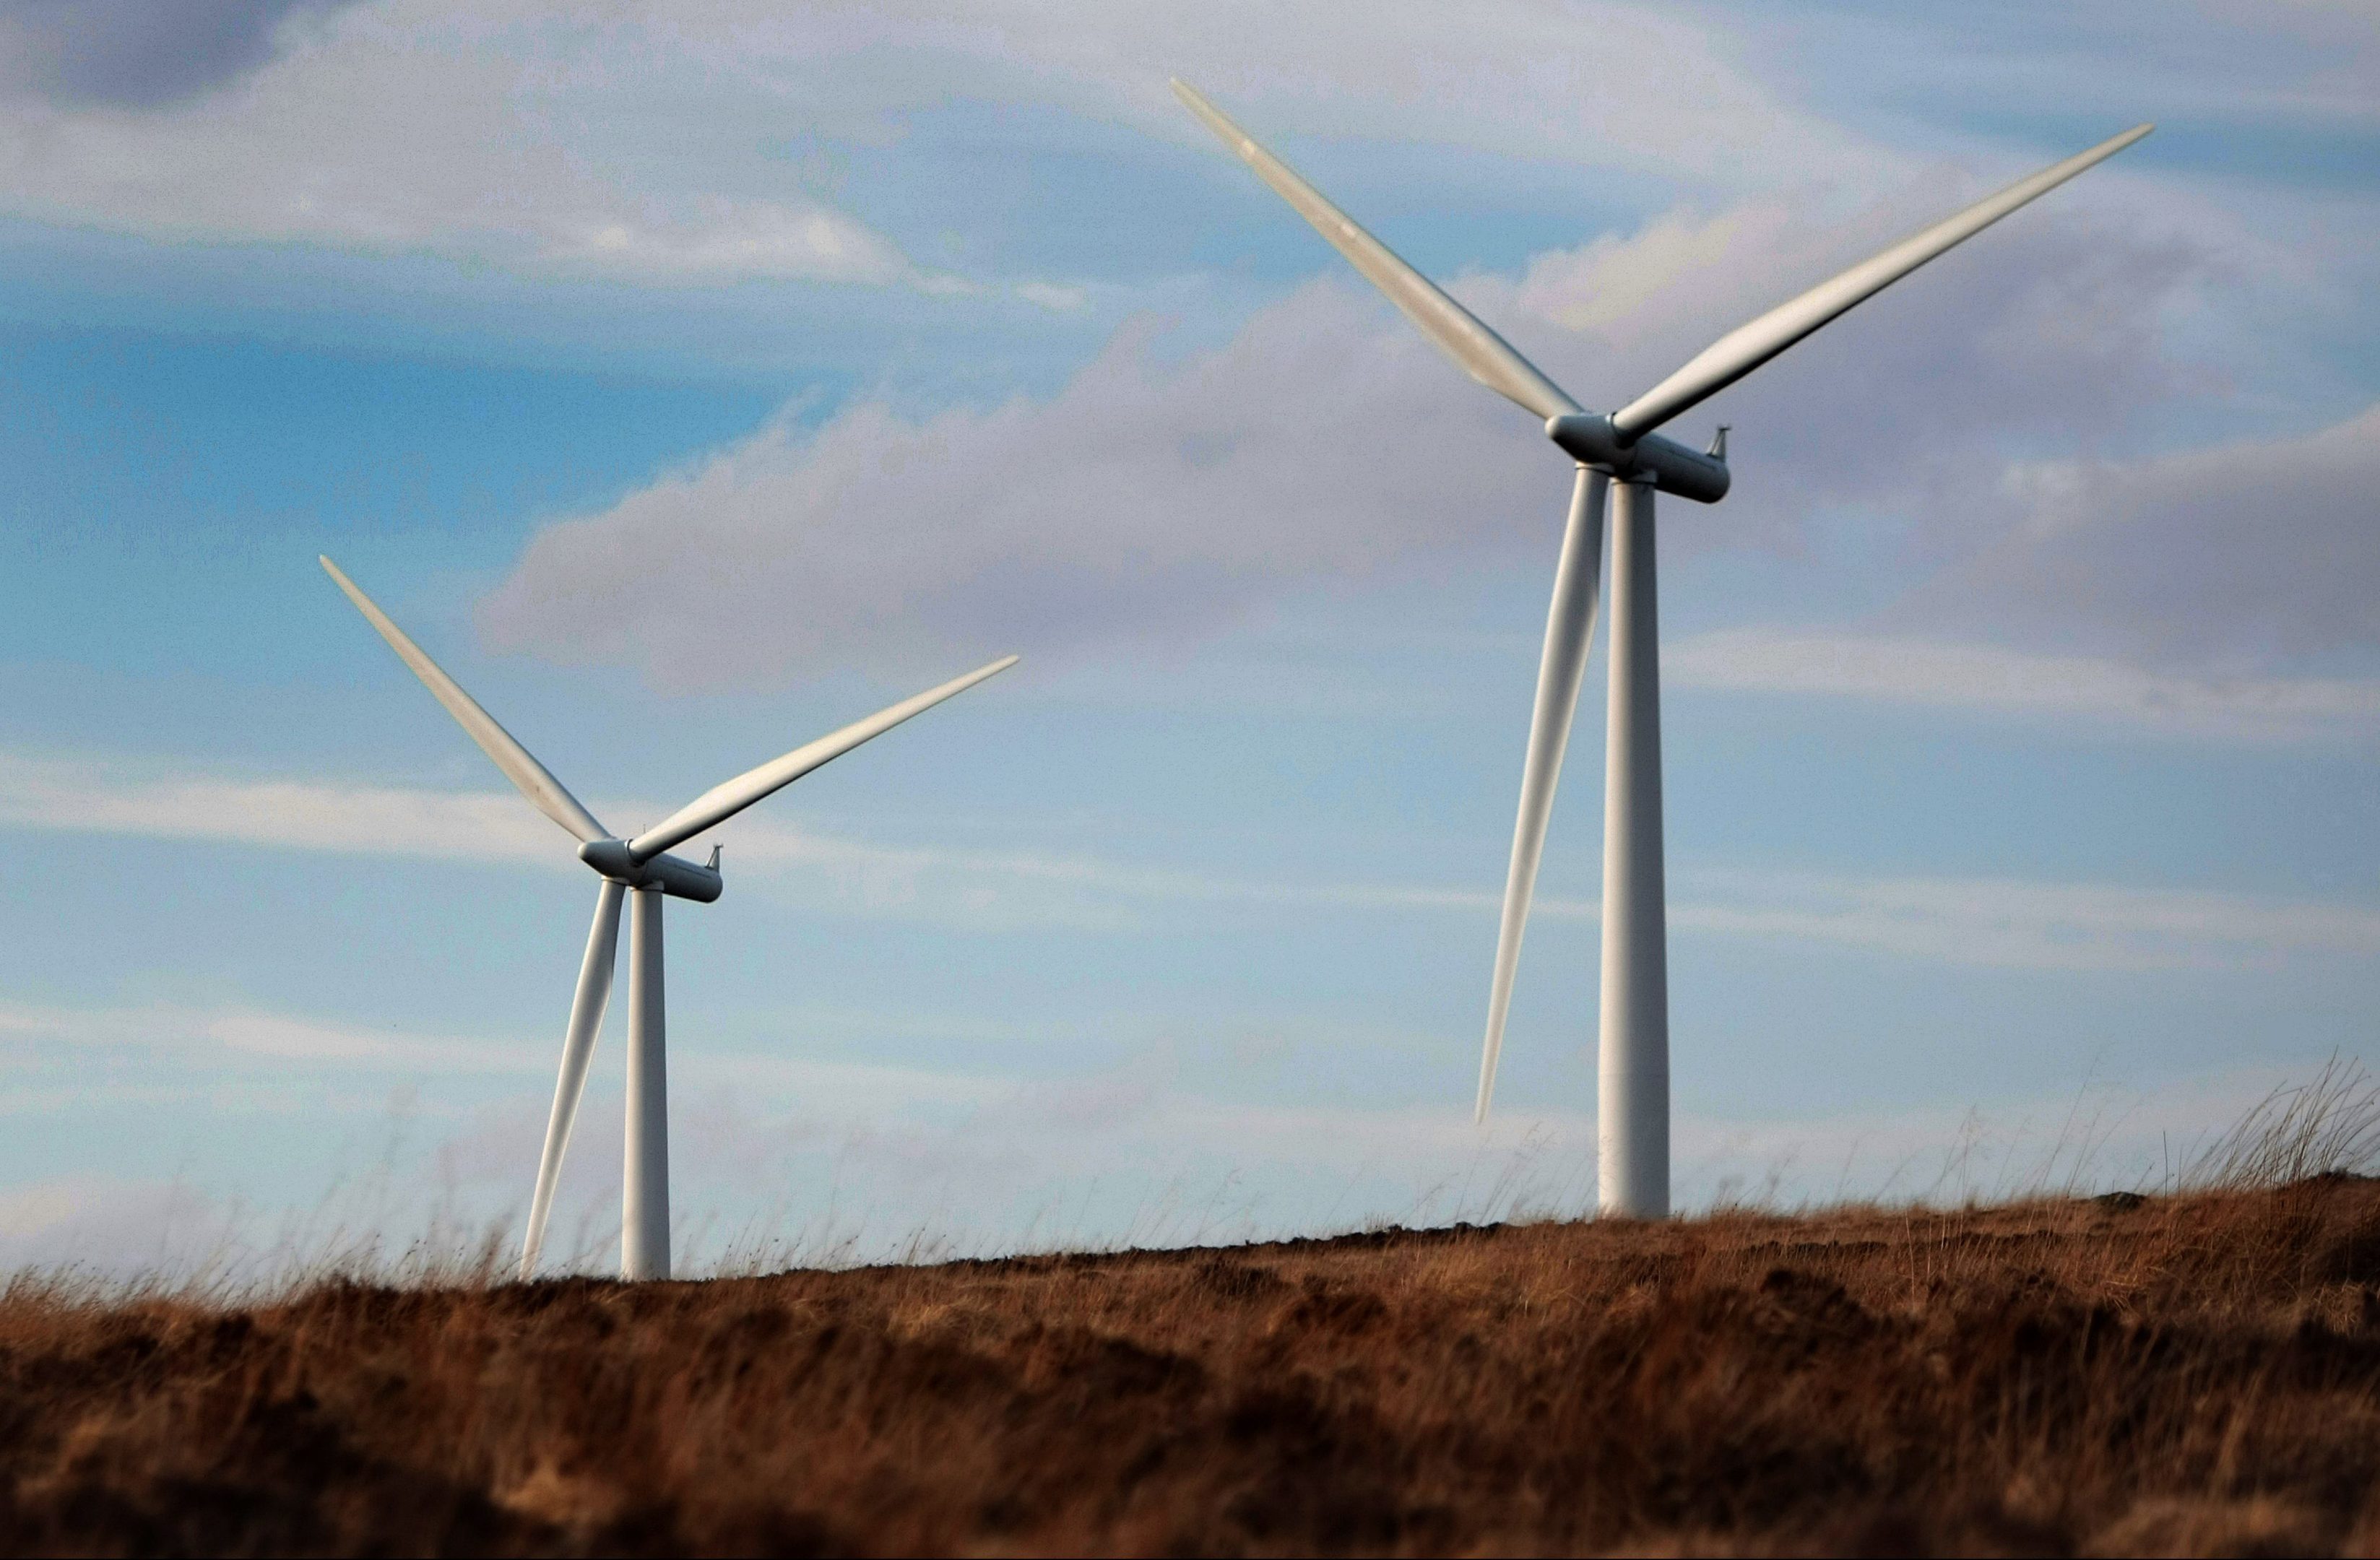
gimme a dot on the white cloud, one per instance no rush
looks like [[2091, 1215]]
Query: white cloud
[[152, 801], [41, 1208], [1972, 676], [116, 1226], [296, 1039], [974, 887], [222, 1035], [1988, 922], [2019, 924]]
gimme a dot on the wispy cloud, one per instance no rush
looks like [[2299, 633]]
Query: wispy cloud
[[221, 1033], [2014, 923], [1971, 676], [151, 801], [146, 800], [1980, 921]]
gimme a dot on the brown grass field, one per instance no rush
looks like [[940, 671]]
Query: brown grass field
[[2191, 1373]]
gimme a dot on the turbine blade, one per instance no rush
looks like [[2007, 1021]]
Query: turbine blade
[[1569, 624], [723, 802], [577, 1049], [1477, 350], [1746, 347], [544, 792]]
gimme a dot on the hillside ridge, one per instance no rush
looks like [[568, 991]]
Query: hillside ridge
[[2193, 1374]]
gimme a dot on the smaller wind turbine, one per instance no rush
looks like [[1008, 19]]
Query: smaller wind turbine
[[644, 867]]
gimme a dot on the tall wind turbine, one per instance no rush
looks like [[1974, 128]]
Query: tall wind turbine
[[1633, 1092], [642, 869]]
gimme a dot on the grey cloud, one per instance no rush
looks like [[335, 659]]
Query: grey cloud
[[1152, 500], [455, 132], [140, 54], [644, 141], [2047, 330], [2234, 555], [1145, 500]]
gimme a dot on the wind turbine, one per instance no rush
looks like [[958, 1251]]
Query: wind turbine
[[1633, 1065], [643, 868]]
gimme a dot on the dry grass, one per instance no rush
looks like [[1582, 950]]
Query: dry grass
[[2330, 1126], [2198, 1372], [2192, 1372]]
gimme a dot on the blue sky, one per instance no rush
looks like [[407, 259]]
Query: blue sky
[[690, 382]]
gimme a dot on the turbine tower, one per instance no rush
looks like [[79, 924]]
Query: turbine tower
[[642, 870], [1632, 1068]]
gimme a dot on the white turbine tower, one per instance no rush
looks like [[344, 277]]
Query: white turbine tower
[[1633, 1092], [641, 868]]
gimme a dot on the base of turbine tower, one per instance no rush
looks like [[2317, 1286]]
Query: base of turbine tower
[[1632, 1063]]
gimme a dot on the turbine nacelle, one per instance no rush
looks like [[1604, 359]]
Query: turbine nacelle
[[1589, 439], [674, 876]]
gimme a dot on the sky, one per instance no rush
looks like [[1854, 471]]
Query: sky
[[692, 379]]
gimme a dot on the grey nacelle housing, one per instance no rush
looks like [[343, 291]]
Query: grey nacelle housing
[[674, 876], [1671, 467]]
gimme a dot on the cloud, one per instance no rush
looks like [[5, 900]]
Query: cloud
[[976, 888], [220, 1035], [667, 137], [420, 128], [2232, 555], [297, 1039], [1516, 78], [134, 53], [1943, 674], [1160, 497], [110, 1226], [152, 801], [2010, 924], [2050, 329], [1983, 922], [1148, 498]]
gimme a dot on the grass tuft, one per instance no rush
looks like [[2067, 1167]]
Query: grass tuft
[[2327, 1127]]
